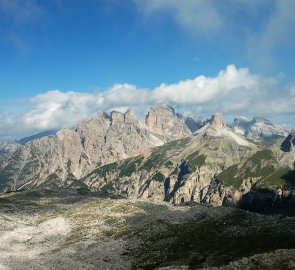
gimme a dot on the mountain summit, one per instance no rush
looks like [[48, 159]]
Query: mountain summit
[[218, 128], [217, 121]]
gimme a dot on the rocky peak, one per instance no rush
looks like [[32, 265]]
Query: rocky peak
[[117, 117], [102, 115], [289, 143], [163, 120], [217, 121], [130, 117], [160, 118]]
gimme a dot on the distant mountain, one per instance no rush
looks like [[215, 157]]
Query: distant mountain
[[258, 129], [193, 124], [39, 135]]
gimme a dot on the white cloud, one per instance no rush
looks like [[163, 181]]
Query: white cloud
[[233, 91]]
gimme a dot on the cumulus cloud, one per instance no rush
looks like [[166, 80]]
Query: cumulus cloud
[[234, 91]]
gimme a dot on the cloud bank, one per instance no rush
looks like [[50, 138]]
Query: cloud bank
[[234, 91]]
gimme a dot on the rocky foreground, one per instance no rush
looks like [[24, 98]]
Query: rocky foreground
[[61, 229]]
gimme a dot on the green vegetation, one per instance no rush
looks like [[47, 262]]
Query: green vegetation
[[228, 177], [258, 171], [159, 177], [104, 170], [283, 177], [108, 188], [169, 164], [175, 171], [262, 155], [155, 160], [130, 166], [161, 155], [195, 160], [261, 165]]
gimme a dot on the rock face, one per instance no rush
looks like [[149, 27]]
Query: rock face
[[163, 122], [193, 124], [217, 121], [288, 149], [258, 128], [71, 154], [7, 148], [289, 143]]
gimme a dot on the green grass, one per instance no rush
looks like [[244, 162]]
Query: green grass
[[228, 177], [108, 188], [262, 155], [104, 170], [195, 160], [169, 164], [159, 177], [283, 177], [175, 171], [260, 165], [160, 155], [130, 166]]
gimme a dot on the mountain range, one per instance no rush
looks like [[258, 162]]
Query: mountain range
[[162, 192], [163, 156]]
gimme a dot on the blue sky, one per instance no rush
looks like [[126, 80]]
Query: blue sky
[[53, 52]]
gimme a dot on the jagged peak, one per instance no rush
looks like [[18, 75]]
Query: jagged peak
[[102, 114], [217, 121], [162, 106], [116, 116], [129, 112]]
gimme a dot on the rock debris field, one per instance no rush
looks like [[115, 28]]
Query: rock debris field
[[62, 229]]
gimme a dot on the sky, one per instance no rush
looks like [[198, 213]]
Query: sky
[[65, 60]]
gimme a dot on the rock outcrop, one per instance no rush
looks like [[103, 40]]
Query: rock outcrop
[[163, 122], [217, 121], [289, 143]]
